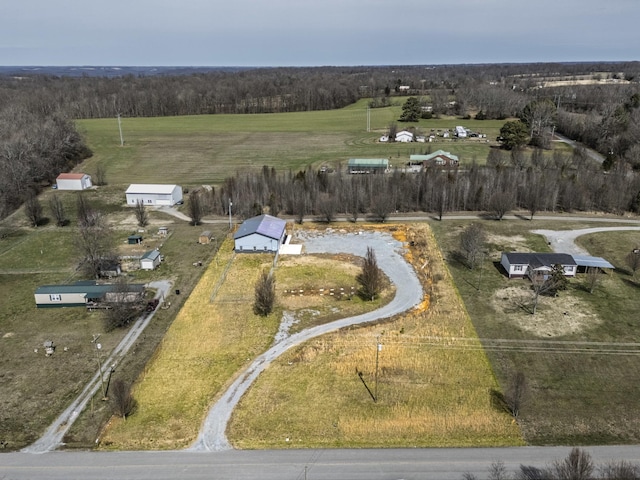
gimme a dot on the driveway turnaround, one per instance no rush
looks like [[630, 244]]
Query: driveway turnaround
[[563, 241], [409, 293]]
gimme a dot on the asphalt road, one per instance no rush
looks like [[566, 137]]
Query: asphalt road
[[374, 464]]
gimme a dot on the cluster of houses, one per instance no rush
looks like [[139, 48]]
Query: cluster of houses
[[439, 158], [405, 136]]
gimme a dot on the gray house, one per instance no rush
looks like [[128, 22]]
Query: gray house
[[263, 233], [83, 294]]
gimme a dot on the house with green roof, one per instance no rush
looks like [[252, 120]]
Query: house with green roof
[[85, 293], [438, 158], [368, 165]]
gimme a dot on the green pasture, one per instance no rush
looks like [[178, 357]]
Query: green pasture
[[205, 149], [583, 379]]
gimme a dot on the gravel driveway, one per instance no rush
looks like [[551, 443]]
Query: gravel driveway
[[563, 241], [409, 293]]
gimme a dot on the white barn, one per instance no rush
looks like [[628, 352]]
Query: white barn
[[73, 181], [263, 233], [153, 194], [404, 136]]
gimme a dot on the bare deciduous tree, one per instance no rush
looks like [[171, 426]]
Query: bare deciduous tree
[[472, 244], [501, 203], [577, 466], [632, 259], [33, 210], [122, 401], [592, 278], [57, 210], [195, 207], [142, 216], [101, 175], [125, 305], [516, 394], [95, 245], [265, 294], [370, 278]]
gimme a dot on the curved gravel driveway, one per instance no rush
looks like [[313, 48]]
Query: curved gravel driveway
[[564, 240], [408, 294]]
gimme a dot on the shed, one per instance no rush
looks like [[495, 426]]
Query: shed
[[163, 231], [73, 181], [205, 237], [263, 233], [150, 260], [153, 194], [134, 239]]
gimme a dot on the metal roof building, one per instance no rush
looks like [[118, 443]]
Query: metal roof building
[[153, 194], [368, 165], [263, 233]]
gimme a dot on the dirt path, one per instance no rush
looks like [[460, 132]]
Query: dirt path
[[408, 294], [52, 438]]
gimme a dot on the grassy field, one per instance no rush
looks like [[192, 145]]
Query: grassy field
[[430, 392], [29, 258], [206, 149], [213, 336], [578, 352]]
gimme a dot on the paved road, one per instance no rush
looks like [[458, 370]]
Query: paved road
[[52, 438], [363, 464], [388, 256]]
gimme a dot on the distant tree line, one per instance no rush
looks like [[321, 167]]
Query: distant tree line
[[517, 180], [38, 139], [34, 149]]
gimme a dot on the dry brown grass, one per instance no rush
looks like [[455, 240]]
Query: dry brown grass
[[433, 388]]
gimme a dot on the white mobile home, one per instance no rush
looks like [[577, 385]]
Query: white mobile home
[[73, 181], [153, 194], [519, 265], [84, 293]]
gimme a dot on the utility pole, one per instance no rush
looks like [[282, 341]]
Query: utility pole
[[368, 118], [120, 129], [98, 348], [230, 204], [375, 387]]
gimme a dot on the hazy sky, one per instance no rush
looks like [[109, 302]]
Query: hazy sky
[[315, 32]]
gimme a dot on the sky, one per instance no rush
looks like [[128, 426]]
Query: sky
[[315, 32]]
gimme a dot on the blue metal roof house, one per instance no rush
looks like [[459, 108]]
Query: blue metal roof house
[[263, 233]]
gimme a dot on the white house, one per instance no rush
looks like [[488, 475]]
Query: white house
[[461, 132], [153, 194], [150, 260], [519, 265], [263, 233], [73, 181], [404, 136]]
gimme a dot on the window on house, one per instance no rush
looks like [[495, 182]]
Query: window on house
[[517, 268], [55, 297]]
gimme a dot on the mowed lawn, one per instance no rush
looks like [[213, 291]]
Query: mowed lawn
[[579, 352], [205, 149]]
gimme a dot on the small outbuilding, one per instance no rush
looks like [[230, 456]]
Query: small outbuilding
[[150, 260], [404, 136], [205, 237], [134, 239], [263, 233], [153, 194], [73, 181]]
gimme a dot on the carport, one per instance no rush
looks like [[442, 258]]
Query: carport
[[585, 261]]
